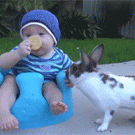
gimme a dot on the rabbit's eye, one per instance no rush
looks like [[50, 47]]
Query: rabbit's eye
[[74, 68]]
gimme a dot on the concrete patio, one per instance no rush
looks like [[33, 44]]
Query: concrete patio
[[85, 113]]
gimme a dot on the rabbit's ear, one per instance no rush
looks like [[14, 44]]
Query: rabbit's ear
[[97, 53], [84, 58]]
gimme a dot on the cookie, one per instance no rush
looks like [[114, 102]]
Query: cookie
[[36, 42]]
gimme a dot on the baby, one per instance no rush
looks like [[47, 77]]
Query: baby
[[48, 60]]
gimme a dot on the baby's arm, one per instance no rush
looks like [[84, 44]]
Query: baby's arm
[[10, 59]]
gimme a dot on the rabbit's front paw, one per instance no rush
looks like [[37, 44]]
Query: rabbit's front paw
[[102, 128], [99, 121]]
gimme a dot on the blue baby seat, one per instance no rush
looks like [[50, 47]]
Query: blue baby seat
[[31, 108]]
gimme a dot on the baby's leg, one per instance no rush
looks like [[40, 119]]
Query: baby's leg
[[8, 93], [54, 98]]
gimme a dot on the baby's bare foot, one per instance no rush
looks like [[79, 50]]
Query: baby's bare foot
[[58, 107], [8, 122]]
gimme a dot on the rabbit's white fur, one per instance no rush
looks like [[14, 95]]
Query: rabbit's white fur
[[108, 91]]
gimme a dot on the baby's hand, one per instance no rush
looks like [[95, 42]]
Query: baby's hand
[[24, 48], [69, 83]]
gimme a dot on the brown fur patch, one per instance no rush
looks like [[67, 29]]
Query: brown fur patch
[[132, 97], [106, 78], [121, 85], [77, 69], [115, 82]]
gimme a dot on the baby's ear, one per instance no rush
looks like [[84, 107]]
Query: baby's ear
[[84, 58]]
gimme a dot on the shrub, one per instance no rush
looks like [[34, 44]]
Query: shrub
[[5, 22], [5, 29], [74, 24]]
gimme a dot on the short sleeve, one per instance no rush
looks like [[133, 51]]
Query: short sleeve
[[14, 48], [67, 62]]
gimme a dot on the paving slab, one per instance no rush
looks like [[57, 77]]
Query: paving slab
[[82, 123]]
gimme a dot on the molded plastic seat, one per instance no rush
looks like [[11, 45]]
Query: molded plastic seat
[[31, 108]]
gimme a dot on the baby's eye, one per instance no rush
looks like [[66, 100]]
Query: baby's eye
[[28, 35], [41, 34]]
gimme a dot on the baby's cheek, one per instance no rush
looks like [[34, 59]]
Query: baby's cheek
[[48, 39], [24, 38]]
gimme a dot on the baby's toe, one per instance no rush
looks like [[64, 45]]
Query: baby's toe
[[5, 128], [9, 126], [16, 124], [64, 106]]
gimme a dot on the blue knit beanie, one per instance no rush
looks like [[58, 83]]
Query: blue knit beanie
[[42, 18]]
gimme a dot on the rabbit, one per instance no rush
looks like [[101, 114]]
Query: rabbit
[[106, 90]]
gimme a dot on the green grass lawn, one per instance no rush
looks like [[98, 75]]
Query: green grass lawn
[[116, 50]]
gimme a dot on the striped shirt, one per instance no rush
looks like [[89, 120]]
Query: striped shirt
[[48, 67]]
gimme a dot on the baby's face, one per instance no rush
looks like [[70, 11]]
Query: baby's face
[[47, 40]]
